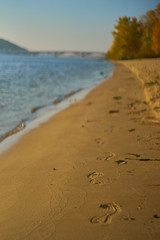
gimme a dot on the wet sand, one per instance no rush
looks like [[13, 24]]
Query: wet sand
[[91, 172]]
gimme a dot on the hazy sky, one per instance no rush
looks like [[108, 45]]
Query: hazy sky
[[83, 25]]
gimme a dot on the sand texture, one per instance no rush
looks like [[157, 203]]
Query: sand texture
[[148, 72], [92, 172]]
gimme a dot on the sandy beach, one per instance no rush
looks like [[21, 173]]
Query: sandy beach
[[92, 172], [147, 71]]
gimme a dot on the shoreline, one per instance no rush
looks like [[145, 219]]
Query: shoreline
[[90, 172], [44, 113], [40, 89]]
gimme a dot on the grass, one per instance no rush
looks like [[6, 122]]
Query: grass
[[151, 83]]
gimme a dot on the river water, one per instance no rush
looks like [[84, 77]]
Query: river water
[[27, 82]]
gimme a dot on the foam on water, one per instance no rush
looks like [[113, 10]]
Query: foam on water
[[42, 116]]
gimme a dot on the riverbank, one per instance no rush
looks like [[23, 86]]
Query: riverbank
[[147, 71], [91, 172]]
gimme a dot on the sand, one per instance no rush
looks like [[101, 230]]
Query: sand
[[148, 72], [62, 180]]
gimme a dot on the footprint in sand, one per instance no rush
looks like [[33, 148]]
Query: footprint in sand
[[117, 97], [106, 156], [111, 210], [114, 129], [95, 178], [98, 141], [121, 89]]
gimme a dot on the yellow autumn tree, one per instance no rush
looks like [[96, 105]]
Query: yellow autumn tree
[[156, 33], [156, 38], [147, 21], [127, 39], [134, 38]]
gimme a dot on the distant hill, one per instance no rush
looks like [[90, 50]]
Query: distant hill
[[8, 47]]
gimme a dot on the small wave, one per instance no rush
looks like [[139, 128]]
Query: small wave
[[56, 101], [17, 129]]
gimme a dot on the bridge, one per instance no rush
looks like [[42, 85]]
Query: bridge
[[66, 54]]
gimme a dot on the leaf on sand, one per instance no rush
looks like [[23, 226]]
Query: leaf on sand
[[104, 206], [134, 154], [132, 130], [113, 111], [117, 97], [121, 162]]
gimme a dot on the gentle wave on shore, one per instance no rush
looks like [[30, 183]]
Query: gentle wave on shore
[[32, 83]]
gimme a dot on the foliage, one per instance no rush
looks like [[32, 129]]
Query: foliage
[[156, 38], [135, 38]]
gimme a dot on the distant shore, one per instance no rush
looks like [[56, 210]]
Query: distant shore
[[92, 171]]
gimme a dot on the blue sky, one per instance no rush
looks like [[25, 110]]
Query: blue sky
[[83, 25]]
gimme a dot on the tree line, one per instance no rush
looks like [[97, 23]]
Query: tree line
[[136, 38]]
